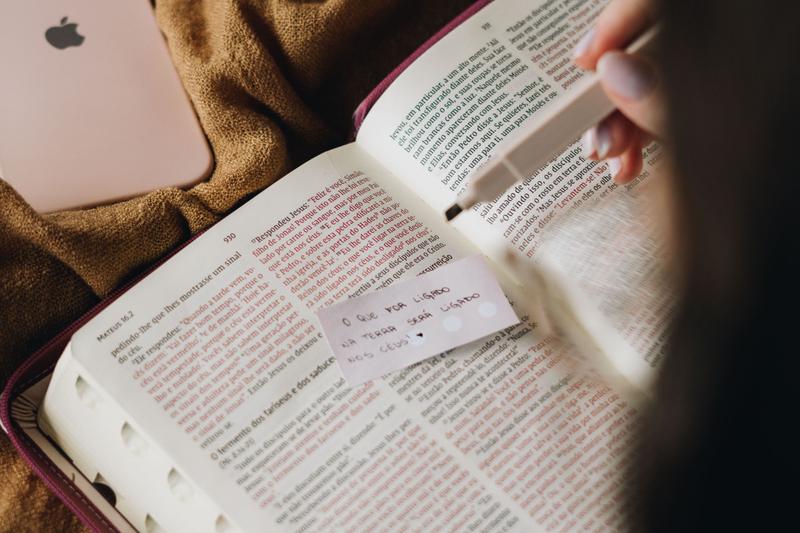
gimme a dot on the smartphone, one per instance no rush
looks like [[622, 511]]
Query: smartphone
[[91, 107]]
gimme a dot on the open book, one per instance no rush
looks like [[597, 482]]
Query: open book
[[207, 399]]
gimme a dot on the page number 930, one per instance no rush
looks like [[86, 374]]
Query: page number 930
[[229, 237]]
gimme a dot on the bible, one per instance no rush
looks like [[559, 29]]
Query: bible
[[205, 397]]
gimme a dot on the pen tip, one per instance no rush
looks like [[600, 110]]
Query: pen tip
[[452, 212]]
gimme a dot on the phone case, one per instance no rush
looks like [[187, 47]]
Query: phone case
[[93, 108]]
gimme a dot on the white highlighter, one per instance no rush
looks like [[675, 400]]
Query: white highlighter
[[552, 132]]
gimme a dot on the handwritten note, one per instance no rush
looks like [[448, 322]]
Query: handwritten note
[[412, 320]]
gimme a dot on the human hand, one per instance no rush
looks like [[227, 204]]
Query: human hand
[[630, 81]]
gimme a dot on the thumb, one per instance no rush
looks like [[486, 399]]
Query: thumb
[[631, 82]]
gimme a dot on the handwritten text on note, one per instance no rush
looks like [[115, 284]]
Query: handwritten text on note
[[412, 320]]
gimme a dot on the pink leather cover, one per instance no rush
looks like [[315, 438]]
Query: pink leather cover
[[43, 360], [35, 368]]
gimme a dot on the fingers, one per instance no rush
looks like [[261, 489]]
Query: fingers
[[610, 138], [627, 166], [632, 84], [620, 23], [620, 141], [630, 81]]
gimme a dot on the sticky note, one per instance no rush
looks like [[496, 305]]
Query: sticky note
[[414, 319]]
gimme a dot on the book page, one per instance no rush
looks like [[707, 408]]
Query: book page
[[217, 359], [483, 83]]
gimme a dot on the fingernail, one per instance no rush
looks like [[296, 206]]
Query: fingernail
[[587, 143], [614, 166], [626, 75], [583, 45], [602, 140]]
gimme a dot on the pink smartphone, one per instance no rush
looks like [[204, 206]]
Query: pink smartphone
[[91, 107]]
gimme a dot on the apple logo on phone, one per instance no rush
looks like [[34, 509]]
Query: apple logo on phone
[[64, 35]]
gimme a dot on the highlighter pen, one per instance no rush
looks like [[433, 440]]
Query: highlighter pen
[[565, 121]]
